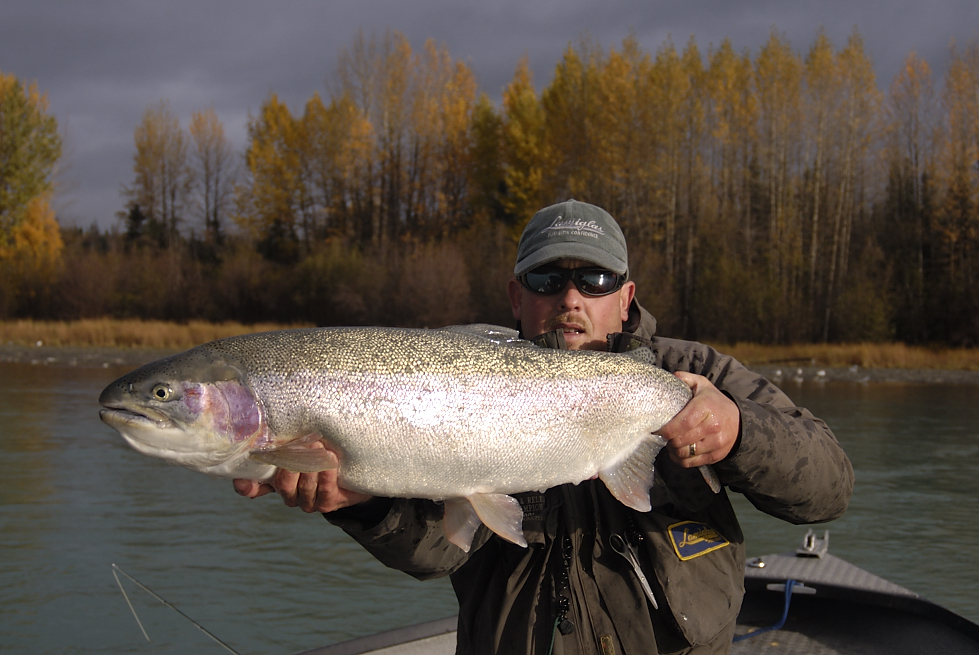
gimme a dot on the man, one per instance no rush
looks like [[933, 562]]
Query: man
[[570, 591]]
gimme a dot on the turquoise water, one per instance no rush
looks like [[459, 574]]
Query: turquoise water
[[268, 579], [913, 518]]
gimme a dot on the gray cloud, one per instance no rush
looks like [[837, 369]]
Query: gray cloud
[[103, 62]]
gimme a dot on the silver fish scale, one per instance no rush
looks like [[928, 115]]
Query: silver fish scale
[[448, 413]]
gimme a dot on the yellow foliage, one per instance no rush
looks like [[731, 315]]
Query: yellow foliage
[[33, 252], [524, 149], [29, 147]]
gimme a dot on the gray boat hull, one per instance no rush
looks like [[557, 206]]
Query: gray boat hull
[[835, 608]]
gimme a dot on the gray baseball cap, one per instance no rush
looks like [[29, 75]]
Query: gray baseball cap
[[572, 230]]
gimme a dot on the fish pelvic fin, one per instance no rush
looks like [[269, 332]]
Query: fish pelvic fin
[[500, 513], [460, 522], [629, 480], [298, 456]]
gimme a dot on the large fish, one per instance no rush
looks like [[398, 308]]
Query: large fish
[[465, 415]]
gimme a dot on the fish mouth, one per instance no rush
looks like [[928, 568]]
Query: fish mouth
[[151, 433], [116, 415]]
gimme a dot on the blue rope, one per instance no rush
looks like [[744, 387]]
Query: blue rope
[[785, 613]]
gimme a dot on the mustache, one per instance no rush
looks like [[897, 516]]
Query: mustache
[[568, 319]]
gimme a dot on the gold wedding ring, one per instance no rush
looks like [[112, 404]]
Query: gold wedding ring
[[693, 450]]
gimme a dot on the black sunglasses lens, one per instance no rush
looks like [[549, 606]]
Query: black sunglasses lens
[[546, 281], [590, 281], [596, 282]]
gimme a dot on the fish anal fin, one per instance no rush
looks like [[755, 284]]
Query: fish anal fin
[[502, 514], [629, 479], [460, 522], [303, 455]]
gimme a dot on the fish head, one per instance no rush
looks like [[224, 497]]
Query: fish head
[[195, 409]]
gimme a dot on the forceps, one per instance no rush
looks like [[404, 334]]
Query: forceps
[[625, 548]]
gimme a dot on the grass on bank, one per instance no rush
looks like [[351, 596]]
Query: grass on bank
[[124, 333], [134, 333], [864, 355]]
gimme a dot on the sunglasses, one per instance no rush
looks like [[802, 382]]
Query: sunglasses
[[548, 280]]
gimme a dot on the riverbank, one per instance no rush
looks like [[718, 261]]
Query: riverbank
[[81, 356], [102, 357]]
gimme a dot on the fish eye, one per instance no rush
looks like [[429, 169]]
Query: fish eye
[[162, 392]]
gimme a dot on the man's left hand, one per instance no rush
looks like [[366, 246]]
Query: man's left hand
[[705, 431]]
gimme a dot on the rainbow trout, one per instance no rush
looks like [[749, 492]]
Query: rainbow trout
[[466, 415]]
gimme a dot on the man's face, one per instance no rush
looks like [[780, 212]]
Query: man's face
[[585, 320]]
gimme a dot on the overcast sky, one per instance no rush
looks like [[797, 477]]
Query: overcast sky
[[103, 62]]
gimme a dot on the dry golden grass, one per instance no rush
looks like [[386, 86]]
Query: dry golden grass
[[865, 355], [111, 333]]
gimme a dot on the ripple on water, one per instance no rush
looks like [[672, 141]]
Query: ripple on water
[[270, 579]]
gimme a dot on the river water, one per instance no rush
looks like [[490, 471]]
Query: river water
[[267, 579]]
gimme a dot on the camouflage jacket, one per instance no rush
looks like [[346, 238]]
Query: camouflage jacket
[[513, 599]]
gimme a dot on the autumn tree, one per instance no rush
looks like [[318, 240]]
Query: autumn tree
[[486, 177], [778, 80], [524, 149], [163, 178], [822, 96], [375, 74], [214, 170], [751, 188], [30, 238], [420, 108], [696, 182], [272, 199], [337, 140], [856, 130], [909, 115], [956, 221], [442, 99], [30, 259], [731, 117], [29, 149], [730, 284], [571, 113], [624, 141], [670, 90]]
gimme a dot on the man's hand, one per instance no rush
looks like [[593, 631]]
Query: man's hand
[[311, 492], [704, 431]]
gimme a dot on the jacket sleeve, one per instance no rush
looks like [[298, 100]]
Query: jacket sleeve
[[407, 537], [787, 462]]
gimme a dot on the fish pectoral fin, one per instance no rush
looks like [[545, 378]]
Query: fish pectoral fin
[[300, 460], [629, 480], [502, 514], [460, 522], [710, 477]]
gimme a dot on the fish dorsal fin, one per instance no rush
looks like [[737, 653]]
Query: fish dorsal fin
[[460, 522], [298, 456], [642, 354], [629, 479], [494, 333]]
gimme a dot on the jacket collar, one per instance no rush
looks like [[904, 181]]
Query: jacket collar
[[640, 322]]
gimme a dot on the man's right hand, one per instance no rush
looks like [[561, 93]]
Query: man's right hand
[[311, 492]]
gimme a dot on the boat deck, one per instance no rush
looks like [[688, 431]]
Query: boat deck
[[835, 608]]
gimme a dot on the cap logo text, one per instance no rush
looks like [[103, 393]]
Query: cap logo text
[[574, 227]]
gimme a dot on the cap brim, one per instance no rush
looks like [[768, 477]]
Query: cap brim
[[571, 250]]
